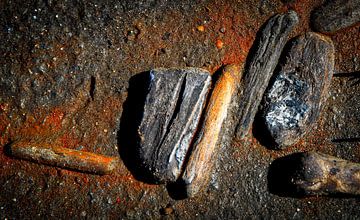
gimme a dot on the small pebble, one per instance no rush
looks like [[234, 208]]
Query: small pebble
[[200, 28], [219, 44]]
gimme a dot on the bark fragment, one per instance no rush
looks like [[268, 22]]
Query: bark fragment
[[259, 70], [295, 98], [321, 174], [201, 160], [64, 157], [171, 114], [336, 15]]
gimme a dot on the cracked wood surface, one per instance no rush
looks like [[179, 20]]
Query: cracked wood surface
[[269, 45], [171, 114]]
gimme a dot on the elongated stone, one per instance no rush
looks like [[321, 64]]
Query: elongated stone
[[261, 66], [171, 114], [321, 174], [336, 15], [294, 100], [197, 171]]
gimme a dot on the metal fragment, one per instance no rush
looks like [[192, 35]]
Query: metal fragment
[[201, 160], [335, 15], [171, 114], [269, 45], [294, 100]]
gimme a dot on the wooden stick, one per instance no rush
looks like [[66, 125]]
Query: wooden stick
[[267, 49], [321, 174], [198, 168], [65, 158]]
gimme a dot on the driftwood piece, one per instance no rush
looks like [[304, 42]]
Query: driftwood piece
[[259, 70], [171, 114], [294, 100], [336, 15], [321, 174], [64, 158], [201, 160]]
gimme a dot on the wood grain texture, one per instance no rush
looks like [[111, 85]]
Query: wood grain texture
[[172, 111], [295, 98], [197, 171], [268, 47], [321, 174], [335, 15], [64, 158]]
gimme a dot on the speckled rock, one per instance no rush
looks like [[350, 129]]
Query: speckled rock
[[335, 15], [171, 114], [294, 99], [269, 46]]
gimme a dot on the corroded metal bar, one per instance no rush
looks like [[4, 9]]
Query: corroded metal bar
[[65, 158], [321, 174], [172, 111], [293, 102], [336, 15], [268, 48], [198, 168]]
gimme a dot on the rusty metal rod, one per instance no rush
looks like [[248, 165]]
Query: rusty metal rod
[[65, 158]]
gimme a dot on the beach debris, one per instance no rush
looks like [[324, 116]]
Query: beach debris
[[295, 98], [267, 49], [171, 115]]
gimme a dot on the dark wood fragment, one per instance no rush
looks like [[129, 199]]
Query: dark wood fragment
[[294, 100], [259, 70], [197, 171], [321, 174], [171, 114], [336, 15], [64, 157]]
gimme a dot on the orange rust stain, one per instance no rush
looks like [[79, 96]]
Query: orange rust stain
[[69, 140], [237, 37], [40, 123]]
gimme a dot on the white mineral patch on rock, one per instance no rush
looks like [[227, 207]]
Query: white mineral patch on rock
[[288, 108]]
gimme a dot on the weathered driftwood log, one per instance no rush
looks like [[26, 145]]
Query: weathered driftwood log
[[321, 174], [171, 114], [64, 158], [335, 15], [259, 70], [201, 160], [294, 100]]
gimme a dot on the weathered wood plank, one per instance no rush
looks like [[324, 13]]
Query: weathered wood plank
[[259, 70], [321, 174], [335, 15], [171, 114], [294, 100], [197, 171]]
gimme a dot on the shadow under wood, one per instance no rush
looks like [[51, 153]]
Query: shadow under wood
[[177, 190], [128, 139], [261, 133], [281, 172]]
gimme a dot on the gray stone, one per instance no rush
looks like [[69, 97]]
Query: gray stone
[[259, 70], [335, 15], [294, 100], [171, 114]]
